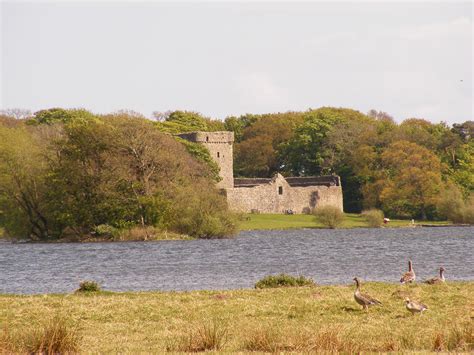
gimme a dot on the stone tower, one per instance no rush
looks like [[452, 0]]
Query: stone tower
[[219, 145]]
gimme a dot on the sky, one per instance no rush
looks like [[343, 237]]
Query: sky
[[409, 59]]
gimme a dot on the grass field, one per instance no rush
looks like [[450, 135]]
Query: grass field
[[281, 221], [271, 320]]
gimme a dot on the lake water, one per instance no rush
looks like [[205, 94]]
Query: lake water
[[327, 256]]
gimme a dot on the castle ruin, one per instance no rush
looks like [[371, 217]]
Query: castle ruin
[[278, 194]]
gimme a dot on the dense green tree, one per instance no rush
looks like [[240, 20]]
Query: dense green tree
[[238, 124], [24, 200], [306, 153], [412, 181], [258, 153], [187, 121], [60, 115]]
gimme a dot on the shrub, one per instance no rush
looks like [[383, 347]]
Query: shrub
[[373, 217], [105, 230], [329, 216], [468, 211], [56, 336], [88, 286], [451, 205], [202, 213], [284, 280], [210, 336]]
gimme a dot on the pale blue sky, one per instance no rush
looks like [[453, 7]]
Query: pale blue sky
[[220, 59]]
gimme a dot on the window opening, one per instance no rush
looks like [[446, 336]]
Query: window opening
[[280, 190], [218, 155]]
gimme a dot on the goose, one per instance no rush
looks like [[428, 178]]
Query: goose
[[408, 276], [415, 307], [438, 279], [363, 299]]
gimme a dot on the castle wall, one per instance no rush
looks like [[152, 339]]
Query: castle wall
[[276, 195], [266, 198]]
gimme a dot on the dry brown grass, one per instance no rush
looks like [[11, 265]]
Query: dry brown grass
[[322, 318], [203, 337], [54, 336]]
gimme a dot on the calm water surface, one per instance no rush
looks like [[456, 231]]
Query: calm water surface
[[328, 256]]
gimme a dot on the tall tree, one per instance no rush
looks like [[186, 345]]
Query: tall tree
[[412, 180]]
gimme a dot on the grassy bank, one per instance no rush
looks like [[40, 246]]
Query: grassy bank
[[281, 221], [289, 319]]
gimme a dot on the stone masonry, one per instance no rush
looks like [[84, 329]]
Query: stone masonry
[[219, 145], [267, 195]]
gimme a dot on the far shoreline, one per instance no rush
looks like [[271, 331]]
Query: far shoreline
[[252, 223]]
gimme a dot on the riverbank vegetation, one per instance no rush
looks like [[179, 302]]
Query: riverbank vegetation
[[301, 319]]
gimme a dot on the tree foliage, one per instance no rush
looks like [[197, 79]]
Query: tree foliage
[[357, 148], [66, 177]]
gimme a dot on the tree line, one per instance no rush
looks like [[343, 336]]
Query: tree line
[[72, 172], [415, 169]]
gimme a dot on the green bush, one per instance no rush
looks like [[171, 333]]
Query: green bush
[[88, 286], [329, 216], [284, 280], [105, 230], [373, 217], [468, 211], [202, 213], [451, 205]]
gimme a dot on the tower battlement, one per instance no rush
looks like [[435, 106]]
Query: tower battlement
[[209, 137]]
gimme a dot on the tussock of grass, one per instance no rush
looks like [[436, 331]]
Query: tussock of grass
[[7, 342], [205, 337], [292, 319], [54, 336], [88, 286], [284, 280]]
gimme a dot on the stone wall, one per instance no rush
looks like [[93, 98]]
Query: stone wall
[[219, 145], [277, 196]]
